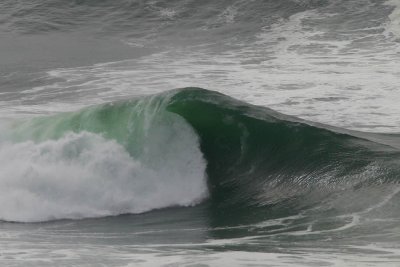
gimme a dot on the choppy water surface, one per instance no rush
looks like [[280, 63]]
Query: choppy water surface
[[102, 163]]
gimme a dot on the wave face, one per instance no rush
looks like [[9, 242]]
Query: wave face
[[263, 165], [147, 153]]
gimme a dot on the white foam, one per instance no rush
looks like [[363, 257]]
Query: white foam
[[293, 68], [229, 14], [393, 26], [85, 175], [306, 65], [300, 257]]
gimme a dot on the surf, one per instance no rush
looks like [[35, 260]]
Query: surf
[[181, 148], [111, 159]]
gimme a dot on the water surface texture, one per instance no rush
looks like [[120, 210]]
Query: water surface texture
[[199, 133]]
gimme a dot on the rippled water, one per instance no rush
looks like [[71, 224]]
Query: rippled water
[[335, 62]]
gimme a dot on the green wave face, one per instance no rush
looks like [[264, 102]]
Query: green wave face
[[262, 164], [259, 164]]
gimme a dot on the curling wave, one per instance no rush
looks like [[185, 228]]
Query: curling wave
[[154, 152]]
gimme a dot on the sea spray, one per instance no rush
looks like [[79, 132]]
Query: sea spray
[[105, 160]]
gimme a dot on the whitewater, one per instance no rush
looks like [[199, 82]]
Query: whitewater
[[187, 133]]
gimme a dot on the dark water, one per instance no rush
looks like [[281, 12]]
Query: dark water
[[102, 164]]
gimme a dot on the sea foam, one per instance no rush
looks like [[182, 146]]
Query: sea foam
[[83, 175], [393, 26]]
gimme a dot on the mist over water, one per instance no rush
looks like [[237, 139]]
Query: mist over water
[[102, 164]]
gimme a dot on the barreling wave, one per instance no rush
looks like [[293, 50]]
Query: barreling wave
[[178, 149], [263, 164]]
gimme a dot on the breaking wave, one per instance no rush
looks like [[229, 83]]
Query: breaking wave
[[181, 148]]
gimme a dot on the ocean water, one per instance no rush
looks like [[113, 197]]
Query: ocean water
[[199, 133]]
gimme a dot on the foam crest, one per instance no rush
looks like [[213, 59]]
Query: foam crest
[[394, 25], [83, 175]]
